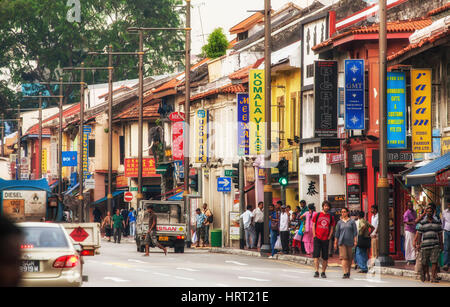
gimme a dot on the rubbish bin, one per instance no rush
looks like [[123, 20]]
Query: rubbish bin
[[216, 238]]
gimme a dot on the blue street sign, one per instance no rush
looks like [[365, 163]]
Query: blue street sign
[[69, 158], [396, 110], [354, 95], [224, 184]]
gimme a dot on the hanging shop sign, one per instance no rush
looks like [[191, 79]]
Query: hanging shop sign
[[354, 95], [325, 99], [69, 158], [421, 110], [85, 153], [243, 124], [396, 110], [257, 118], [177, 140], [356, 159], [148, 167], [445, 145], [353, 192], [201, 136], [44, 161], [330, 146], [395, 157]]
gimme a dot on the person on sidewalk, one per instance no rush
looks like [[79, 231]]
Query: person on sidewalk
[[323, 226], [118, 225], [374, 234], [249, 228], [259, 223], [297, 230], [150, 237], [131, 221], [446, 228], [284, 229], [208, 222], [200, 227], [429, 242], [363, 244], [346, 237], [107, 225], [308, 238], [124, 214], [97, 215], [409, 220], [303, 210], [274, 226]]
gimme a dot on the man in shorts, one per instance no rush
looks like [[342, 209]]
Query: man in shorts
[[323, 227], [151, 232]]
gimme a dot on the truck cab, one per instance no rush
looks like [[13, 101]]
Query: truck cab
[[170, 227]]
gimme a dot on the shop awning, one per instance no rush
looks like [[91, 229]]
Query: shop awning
[[178, 196], [40, 184], [428, 173], [69, 191], [114, 194]]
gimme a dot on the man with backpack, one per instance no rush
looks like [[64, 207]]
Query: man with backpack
[[209, 221], [323, 227]]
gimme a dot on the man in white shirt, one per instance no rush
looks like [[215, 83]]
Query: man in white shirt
[[284, 229], [259, 223], [374, 234], [446, 228], [249, 229]]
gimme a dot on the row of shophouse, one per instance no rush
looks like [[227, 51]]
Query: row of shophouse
[[418, 37]]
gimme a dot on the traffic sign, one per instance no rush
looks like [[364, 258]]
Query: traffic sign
[[224, 184], [79, 234], [128, 196]]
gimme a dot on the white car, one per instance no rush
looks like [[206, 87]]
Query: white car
[[49, 258]]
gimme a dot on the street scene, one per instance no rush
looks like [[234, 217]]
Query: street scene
[[223, 144]]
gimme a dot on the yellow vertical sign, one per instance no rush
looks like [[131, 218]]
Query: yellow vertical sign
[[44, 161], [201, 136], [257, 118], [421, 110]]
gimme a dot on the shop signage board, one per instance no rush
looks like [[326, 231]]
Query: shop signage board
[[353, 192], [44, 161], [354, 95], [201, 136], [85, 154], [177, 140], [257, 118], [148, 167], [330, 146], [421, 110], [325, 99], [356, 159], [234, 225], [396, 110], [69, 158], [394, 157], [445, 145], [243, 124], [19, 204], [89, 184]]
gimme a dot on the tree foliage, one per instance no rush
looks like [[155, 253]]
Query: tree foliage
[[217, 44], [37, 40]]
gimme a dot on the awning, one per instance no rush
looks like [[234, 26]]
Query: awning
[[72, 189], [34, 185], [428, 173], [114, 194], [178, 196]]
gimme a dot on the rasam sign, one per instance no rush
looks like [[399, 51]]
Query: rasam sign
[[257, 134], [242, 121], [421, 110], [396, 110]]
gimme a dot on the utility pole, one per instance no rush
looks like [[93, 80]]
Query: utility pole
[[383, 185], [39, 175], [81, 152], [265, 248], [19, 141], [241, 203], [60, 138], [3, 135]]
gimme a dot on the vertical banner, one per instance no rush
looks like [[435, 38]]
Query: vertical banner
[[177, 140], [325, 99], [257, 119], [421, 110], [396, 110], [353, 192], [44, 162], [85, 154], [242, 121], [354, 95], [201, 136]]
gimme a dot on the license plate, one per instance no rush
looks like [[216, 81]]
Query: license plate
[[163, 238], [29, 266]]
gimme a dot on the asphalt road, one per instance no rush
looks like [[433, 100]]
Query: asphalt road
[[120, 265]]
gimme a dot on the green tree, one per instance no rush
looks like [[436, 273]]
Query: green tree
[[37, 40], [217, 44]]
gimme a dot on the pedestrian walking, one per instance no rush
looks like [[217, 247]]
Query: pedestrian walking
[[446, 228], [303, 210], [274, 226], [429, 242], [259, 223], [150, 237], [409, 220], [284, 229], [346, 238], [296, 223], [308, 238], [208, 222], [124, 212], [249, 228], [118, 225], [374, 234], [97, 215], [200, 227], [323, 226], [131, 221], [363, 244], [107, 225]]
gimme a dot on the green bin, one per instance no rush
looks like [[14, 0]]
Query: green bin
[[216, 238]]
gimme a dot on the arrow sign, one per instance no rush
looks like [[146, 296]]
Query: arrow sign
[[224, 184]]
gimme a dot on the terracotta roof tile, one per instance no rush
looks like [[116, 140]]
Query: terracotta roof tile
[[133, 112], [438, 10], [246, 24], [243, 72], [226, 89]]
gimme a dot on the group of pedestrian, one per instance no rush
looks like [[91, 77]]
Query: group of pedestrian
[[204, 220], [122, 223]]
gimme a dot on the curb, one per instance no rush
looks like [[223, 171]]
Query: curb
[[310, 262]]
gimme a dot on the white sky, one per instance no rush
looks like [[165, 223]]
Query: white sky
[[223, 14]]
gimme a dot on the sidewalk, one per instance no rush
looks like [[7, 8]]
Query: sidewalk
[[399, 269]]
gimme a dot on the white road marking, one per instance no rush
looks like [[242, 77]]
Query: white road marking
[[371, 280], [260, 272], [116, 279], [235, 262], [160, 274], [252, 278], [140, 270], [137, 261], [187, 269], [184, 278]]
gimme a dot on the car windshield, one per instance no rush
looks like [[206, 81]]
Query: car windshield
[[45, 237]]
